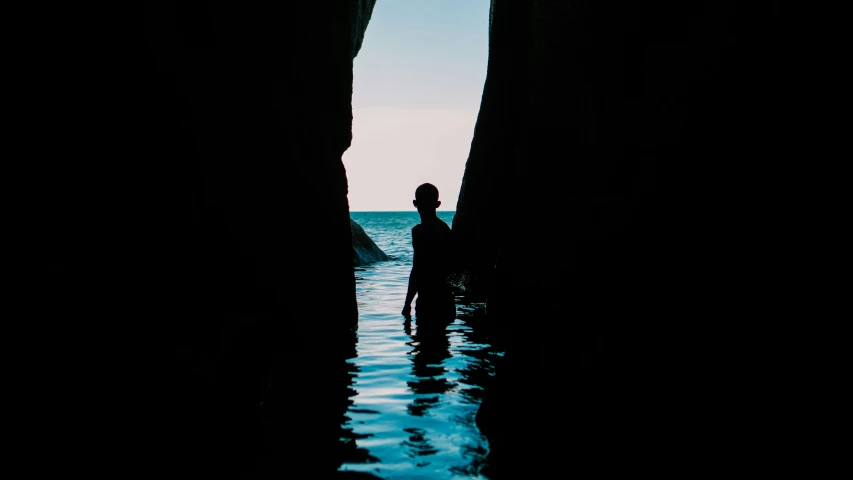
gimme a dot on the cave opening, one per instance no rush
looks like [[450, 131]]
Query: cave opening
[[417, 83]]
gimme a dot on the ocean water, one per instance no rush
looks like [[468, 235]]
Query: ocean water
[[415, 396]]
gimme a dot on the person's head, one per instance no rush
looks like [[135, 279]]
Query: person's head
[[426, 198]]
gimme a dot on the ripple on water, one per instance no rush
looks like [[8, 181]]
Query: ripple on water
[[415, 399]]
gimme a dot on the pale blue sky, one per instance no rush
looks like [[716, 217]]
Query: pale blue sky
[[418, 80]]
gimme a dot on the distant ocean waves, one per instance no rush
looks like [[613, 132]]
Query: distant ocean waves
[[392, 231]]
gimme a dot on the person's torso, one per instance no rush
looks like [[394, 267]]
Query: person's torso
[[432, 244]]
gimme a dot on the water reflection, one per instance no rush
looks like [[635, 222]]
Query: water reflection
[[349, 449], [430, 348], [478, 346], [287, 442], [475, 376], [418, 384]]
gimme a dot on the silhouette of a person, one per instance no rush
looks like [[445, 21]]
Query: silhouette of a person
[[431, 262]]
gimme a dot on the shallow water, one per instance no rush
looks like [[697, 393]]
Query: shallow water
[[416, 395]]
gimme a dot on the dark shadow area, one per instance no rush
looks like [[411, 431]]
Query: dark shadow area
[[282, 410], [223, 240], [612, 216]]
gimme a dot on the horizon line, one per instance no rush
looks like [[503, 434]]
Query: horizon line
[[390, 211]]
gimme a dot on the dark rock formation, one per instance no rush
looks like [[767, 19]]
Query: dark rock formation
[[220, 141], [602, 202], [364, 250]]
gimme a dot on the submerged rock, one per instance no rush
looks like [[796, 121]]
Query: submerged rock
[[364, 251]]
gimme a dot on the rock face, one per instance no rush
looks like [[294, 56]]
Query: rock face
[[364, 250], [235, 118], [610, 132]]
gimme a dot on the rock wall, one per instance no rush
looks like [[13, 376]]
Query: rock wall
[[608, 200], [242, 113]]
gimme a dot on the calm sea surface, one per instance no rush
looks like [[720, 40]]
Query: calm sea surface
[[412, 413]]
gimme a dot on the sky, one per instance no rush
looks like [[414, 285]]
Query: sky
[[418, 81]]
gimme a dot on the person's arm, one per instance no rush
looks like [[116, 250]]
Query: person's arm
[[410, 293], [413, 285]]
